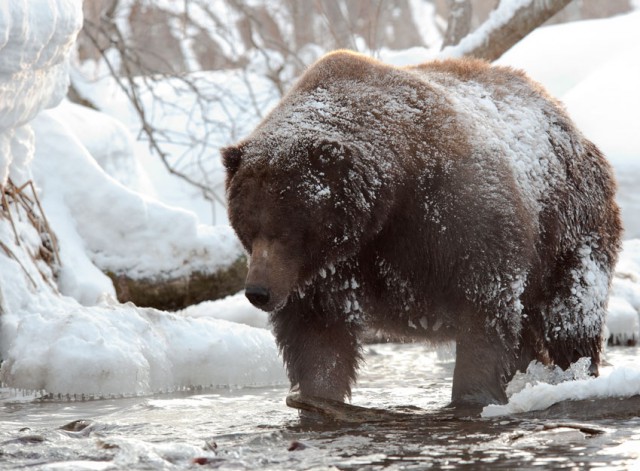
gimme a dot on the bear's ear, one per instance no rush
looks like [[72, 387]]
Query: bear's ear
[[326, 152], [231, 158]]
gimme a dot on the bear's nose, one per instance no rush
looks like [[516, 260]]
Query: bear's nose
[[257, 295]]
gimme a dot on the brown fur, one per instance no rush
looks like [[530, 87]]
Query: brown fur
[[395, 198]]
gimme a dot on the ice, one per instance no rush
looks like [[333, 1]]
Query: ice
[[544, 387], [61, 347]]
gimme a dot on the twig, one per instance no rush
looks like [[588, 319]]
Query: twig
[[5, 205], [130, 89], [13, 256], [50, 255], [50, 233]]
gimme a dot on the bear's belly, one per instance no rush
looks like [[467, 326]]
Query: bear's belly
[[399, 320]]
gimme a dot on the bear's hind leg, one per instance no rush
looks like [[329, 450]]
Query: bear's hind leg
[[576, 315], [483, 366]]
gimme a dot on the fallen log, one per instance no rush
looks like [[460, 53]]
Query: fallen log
[[171, 294]]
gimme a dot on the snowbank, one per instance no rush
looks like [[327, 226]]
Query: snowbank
[[109, 142], [49, 341], [561, 56], [121, 230]]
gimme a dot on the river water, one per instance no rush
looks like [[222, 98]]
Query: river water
[[254, 429]]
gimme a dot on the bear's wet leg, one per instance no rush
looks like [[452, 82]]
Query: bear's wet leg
[[321, 356], [482, 369], [577, 312]]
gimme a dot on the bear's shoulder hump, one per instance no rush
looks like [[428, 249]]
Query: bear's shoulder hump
[[340, 65]]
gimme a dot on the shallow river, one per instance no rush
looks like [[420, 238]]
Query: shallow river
[[253, 429]]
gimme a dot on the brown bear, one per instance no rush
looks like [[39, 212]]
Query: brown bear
[[452, 200]]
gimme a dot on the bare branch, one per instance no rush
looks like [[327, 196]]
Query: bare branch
[[506, 25], [129, 86]]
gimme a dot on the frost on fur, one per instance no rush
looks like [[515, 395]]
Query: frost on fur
[[447, 201]]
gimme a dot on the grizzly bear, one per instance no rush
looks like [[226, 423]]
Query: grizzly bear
[[451, 200]]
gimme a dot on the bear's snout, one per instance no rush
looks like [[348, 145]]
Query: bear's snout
[[272, 274], [257, 295]]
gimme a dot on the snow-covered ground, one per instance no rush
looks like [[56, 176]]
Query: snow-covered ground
[[82, 341], [103, 205]]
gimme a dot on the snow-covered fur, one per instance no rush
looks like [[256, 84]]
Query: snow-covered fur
[[450, 200]]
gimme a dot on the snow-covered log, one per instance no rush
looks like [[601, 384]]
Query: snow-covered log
[[158, 256]]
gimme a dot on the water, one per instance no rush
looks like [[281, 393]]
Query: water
[[253, 429]]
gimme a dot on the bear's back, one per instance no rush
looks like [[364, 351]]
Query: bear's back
[[511, 120]]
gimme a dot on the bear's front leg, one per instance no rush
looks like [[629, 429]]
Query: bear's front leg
[[320, 349]]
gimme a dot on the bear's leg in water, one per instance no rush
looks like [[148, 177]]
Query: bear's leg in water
[[576, 314], [321, 352], [484, 365]]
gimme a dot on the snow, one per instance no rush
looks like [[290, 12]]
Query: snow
[[624, 301], [542, 388], [562, 56], [122, 230], [74, 338], [109, 142], [36, 39], [234, 308], [622, 321], [498, 18], [81, 341]]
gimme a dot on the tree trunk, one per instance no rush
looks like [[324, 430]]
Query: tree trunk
[[504, 28], [459, 24]]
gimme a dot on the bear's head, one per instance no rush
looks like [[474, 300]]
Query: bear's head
[[298, 205]]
